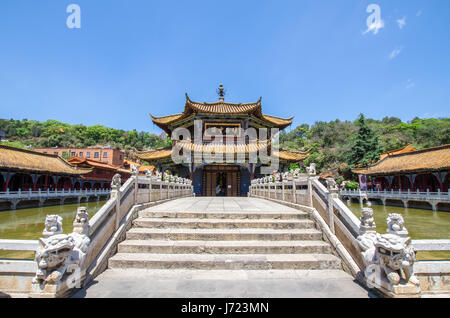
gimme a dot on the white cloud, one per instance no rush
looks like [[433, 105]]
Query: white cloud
[[419, 13], [401, 22], [395, 53]]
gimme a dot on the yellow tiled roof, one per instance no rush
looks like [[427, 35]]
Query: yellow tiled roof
[[221, 107], [431, 159], [33, 161], [166, 153], [292, 155], [406, 149]]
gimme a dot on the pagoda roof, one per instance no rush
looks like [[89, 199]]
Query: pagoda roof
[[165, 153], [430, 159], [34, 161], [221, 108]]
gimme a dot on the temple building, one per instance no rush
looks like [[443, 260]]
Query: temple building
[[223, 130], [408, 168], [100, 176], [31, 170]]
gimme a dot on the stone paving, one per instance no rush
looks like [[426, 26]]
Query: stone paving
[[223, 247]]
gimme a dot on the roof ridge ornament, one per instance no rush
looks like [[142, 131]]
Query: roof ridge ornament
[[221, 92]]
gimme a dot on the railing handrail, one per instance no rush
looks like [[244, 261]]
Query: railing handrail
[[18, 245], [431, 245]]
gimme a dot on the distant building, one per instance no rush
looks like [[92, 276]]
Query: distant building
[[26, 169], [407, 168], [100, 176], [2, 135], [109, 156]]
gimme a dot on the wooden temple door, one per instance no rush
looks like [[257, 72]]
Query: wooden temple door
[[232, 184], [210, 185]]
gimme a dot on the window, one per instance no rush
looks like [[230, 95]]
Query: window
[[55, 153], [120, 157], [72, 154], [88, 154], [105, 155], [96, 154], [81, 154]]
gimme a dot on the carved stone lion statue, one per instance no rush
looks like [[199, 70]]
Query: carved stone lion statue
[[56, 253], [331, 184], [81, 223], [367, 221], [396, 224], [148, 173], [116, 181], [53, 225], [311, 170], [389, 258], [134, 169]]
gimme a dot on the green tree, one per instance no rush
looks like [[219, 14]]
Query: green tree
[[366, 148]]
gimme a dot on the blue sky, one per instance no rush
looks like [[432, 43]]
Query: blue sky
[[311, 59]]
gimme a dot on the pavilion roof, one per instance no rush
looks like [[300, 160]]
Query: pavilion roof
[[165, 153], [292, 156], [96, 164], [33, 161], [430, 159], [221, 108]]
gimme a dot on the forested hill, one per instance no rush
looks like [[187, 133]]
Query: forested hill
[[334, 146], [52, 133], [337, 146]]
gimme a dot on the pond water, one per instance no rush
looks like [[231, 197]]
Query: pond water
[[421, 224], [28, 224]]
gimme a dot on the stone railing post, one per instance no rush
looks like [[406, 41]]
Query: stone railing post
[[332, 194], [115, 194], [135, 176]]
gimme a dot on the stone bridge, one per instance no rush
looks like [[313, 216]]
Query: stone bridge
[[292, 237]]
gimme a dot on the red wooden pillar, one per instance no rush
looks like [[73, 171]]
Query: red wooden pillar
[[7, 181], [251, 172], [35, 182], [441, 183], [46, 182]]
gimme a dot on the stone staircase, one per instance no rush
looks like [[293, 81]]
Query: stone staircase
[[224, 240]]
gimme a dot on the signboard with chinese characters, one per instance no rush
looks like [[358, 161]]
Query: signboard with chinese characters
[[224, 129]]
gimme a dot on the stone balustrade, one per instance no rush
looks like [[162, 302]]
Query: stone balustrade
[[342, 229], [433, 198], [15, 197], [84, 253]]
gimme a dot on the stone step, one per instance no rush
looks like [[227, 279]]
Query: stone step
[[224, 261], [225, 215], [224, 247], [222, 223], [224, 234]]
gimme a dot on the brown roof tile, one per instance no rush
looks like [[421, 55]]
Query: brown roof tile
[[33, 161]]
